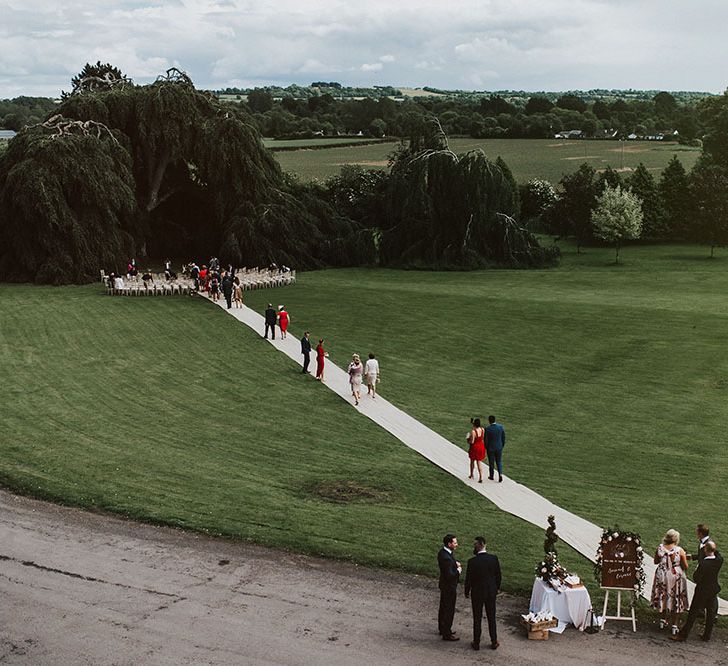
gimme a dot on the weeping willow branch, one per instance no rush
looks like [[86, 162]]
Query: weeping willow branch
[[61, 126]]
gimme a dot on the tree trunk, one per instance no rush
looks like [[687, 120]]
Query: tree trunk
[[156, 175], [712, 250], [616, 259]]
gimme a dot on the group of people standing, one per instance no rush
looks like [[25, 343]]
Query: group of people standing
[[670, 587], [489, 441], [482, 583]]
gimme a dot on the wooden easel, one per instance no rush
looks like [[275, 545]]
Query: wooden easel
[[619, 615]]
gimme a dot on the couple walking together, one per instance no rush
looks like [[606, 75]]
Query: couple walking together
[[482, 582], [491, 441]]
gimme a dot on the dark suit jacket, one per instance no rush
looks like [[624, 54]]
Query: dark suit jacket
[[270, 316], [483, 577], [495, 437], [706, 579], [305, 345], [449, 575], [698, 557]]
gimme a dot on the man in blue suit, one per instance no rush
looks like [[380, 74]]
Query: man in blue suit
[[495, 440]]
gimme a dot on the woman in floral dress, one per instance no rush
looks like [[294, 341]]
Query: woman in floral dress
[[670, 587]]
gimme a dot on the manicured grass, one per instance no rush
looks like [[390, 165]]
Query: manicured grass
[[323, 142], [168, 410], [527, 158], [611, 380]]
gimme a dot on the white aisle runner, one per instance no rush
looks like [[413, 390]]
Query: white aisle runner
[[509, 496]]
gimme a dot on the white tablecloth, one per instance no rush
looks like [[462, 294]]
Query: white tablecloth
[[570, 605]]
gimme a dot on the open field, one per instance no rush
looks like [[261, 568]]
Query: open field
[[610, 380], [322, 142], [527, 158]]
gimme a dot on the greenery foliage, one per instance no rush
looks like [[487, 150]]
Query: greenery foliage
[[617, 216], [173, 171]]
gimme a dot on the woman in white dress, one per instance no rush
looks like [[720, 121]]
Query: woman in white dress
[[371, 372], [670, 587], [355, 370]]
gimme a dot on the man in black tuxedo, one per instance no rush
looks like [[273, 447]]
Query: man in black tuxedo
[[482, 582], [450, 570], [702, 531], [306, 351], [705, 598], [270, 321]]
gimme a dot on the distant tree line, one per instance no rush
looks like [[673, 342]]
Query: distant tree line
[[21, 111], [677, 206], [537, 116]]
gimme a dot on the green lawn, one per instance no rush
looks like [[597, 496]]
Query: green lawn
[[528, 158], [168, 410], [322, 142], [611, 382]]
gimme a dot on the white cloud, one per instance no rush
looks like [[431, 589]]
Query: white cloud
[[552, 44]]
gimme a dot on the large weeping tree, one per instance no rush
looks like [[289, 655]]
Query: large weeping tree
[[196, 180], [446, 210], [66, 202]]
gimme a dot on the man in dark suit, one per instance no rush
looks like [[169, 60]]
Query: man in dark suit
[[702, 531], [495, 440], [450, 570], [306, 351], [705, 598], [270, 321], [482, 582]]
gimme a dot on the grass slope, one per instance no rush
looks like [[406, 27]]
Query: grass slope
[[168, 410], [527, 158], [611, 380]]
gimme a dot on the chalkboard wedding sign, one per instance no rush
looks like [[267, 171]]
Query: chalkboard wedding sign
[[619, 561]]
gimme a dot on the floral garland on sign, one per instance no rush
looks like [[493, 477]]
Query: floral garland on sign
[[610, 534]]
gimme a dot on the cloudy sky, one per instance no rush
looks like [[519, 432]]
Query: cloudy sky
[[469, 44]]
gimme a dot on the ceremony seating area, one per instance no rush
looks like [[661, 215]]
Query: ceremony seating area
[[160, 285]]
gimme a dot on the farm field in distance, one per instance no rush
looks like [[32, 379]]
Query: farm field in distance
[[168, 410], [527, 158]]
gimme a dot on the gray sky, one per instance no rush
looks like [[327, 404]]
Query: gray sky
[[469, 44]]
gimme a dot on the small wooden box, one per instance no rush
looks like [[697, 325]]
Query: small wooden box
[[539, 631]]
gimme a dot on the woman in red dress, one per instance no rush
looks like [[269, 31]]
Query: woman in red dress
[[476, 452], [283, 320], [320, 356]]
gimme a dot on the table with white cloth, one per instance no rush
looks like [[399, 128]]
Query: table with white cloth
[[568, 605]]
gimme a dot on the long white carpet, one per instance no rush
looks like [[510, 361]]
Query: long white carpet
[[509, 495]]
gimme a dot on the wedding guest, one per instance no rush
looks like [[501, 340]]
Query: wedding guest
[[702, 531], [227, 289], [270, 322], [371, 372], [705, 597], [450, 571], [670, 585], [355, 370], [147, 278], [476, 450], [482, 582], [214, 288], [306, 351], [283, 321], [495, 440], [237, 292], [320, 356]]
